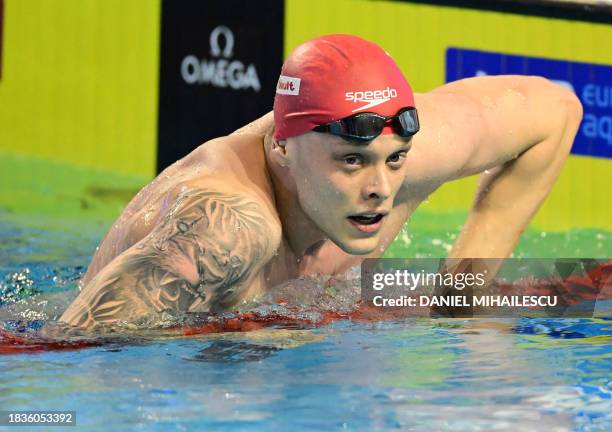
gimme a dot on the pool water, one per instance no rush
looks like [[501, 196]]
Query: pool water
[[414, 373], [406, 374]]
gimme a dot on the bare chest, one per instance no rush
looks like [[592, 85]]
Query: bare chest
[[329, 259]]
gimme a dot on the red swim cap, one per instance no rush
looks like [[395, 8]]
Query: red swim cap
[[331, 77]]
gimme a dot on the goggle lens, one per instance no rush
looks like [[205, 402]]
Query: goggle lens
[[409, 122], [365, 127]]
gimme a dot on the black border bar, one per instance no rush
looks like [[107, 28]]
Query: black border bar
[[568, 10]]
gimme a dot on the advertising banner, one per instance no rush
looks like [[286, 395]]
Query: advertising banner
[[220, 62]]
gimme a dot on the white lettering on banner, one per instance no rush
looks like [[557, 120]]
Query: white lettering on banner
[[189, 69], [597, 126], [595, 95], [221, 72]]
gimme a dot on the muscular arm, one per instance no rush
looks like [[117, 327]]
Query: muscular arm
[[526, 127], [206, 254]]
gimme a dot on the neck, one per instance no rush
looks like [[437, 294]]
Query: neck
[[301, 234]]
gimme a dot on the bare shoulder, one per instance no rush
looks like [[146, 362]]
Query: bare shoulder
[[206, 254], [474, 124], [258, 127], [233, 160], [447, 135]]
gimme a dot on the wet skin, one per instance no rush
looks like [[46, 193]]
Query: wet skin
[[244, 213]]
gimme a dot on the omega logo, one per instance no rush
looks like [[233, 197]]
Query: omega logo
[[215, 51], [220, 71]]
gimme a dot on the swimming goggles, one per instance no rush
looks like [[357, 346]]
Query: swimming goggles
[[367, 126]]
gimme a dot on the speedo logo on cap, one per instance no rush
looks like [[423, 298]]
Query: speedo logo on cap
[[288, 85], [370, 97]]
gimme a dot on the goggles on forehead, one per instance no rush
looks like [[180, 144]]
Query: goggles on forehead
[[367, 126]]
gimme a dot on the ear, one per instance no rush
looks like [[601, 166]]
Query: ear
[[279, 152]]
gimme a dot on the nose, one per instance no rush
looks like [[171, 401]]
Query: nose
[[378, 186]]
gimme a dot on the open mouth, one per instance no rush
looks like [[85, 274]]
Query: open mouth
[[367, 222], [369, 219]]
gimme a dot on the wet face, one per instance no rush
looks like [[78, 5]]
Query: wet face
[[347, 189]]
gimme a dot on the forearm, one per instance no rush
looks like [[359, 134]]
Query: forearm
[[509, 195]]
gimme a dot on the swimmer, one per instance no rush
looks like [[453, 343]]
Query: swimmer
[[327, 179]]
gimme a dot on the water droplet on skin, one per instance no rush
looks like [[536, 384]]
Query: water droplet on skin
[[487, 171]]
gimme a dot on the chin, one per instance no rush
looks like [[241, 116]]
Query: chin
[[358, 246]]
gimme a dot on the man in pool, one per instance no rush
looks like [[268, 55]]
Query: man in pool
[[326, 180]]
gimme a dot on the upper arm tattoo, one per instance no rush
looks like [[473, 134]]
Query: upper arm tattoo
[[200, 257]]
